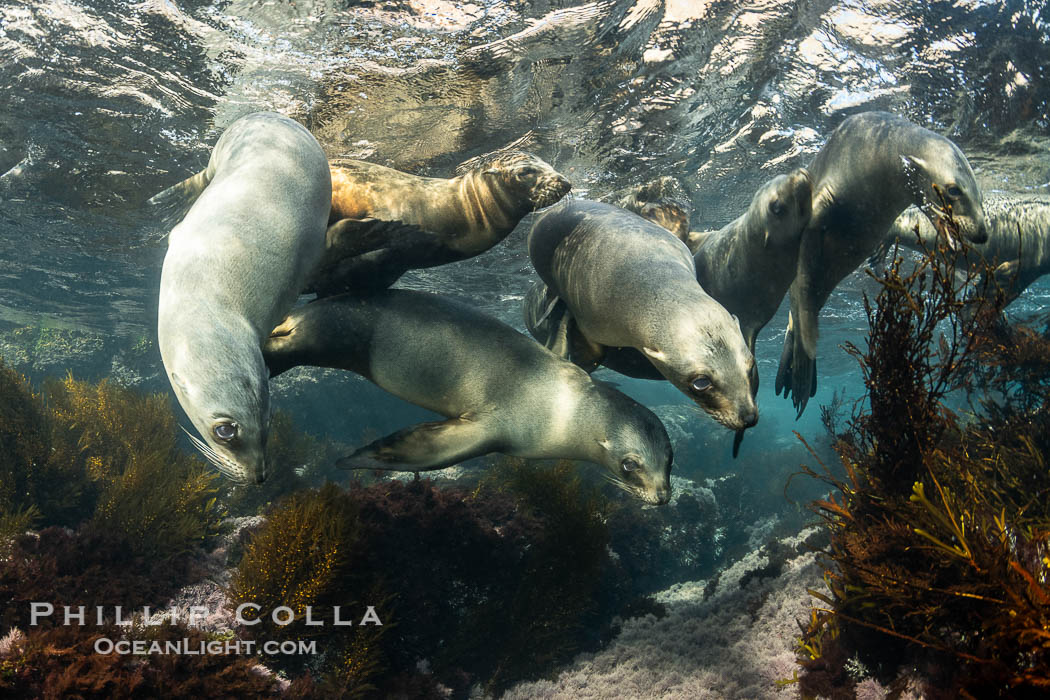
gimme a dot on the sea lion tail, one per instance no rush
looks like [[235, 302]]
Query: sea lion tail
[[422, 447], [171, 205]]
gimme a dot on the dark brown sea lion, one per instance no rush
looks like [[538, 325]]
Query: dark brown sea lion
[[384, 222]]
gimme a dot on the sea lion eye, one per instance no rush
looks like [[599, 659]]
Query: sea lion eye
[[629, 465], [954, 192], [226, 431], [777, 208], [701, 383], [528, 171]]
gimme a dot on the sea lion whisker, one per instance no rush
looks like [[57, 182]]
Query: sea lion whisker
[[225, 467]]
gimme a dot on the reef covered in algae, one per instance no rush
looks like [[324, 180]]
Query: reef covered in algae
[[499, 577], [937, 568]]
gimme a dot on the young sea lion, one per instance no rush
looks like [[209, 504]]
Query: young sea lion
[[233, 268], [872, 167], [385, 222], [663, 201], [629, 283], [500, 391]]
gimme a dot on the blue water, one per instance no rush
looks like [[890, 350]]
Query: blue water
[[105, 103]]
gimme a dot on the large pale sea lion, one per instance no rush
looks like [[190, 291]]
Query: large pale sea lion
[[872, 167], [1018, 245], [385, 222], [500, 391], [233, 269], [626, 282]]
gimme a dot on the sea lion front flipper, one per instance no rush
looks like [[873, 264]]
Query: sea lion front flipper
[[423, 447], [583, 352], [737, 439], [172, 205], [783, 380], [365, 255]]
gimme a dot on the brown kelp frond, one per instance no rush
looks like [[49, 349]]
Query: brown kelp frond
[[939, 557]]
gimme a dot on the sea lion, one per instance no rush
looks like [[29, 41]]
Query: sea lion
[[872, 167], [233, 269], [663, 201], [385, 222], [748, 264], [1018, 245], [500, 391], [627, 282]]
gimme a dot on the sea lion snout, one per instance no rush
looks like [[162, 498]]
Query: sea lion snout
[[751, 419]]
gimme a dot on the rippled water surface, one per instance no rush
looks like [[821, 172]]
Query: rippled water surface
[[106, 102]]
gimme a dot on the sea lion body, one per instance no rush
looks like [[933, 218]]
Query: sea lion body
[[385, 222], [872, 167], [501, 391], [233, 268], [629, 283], [1018, 245], [748, 265]]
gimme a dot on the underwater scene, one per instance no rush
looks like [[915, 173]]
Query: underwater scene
[[508, 349]]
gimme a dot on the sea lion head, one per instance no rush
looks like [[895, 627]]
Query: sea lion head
[[662, 201], [529, 180], [227, 399], [634, 449], [783, 206], [711, 363], [940, 177]]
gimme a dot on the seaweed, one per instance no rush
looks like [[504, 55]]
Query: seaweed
[[60, 662], [938, 558], [488, 586]]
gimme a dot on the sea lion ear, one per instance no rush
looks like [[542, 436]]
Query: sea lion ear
[[915, 178], [653, 354], [765, 239], [177, 382], [604, 443]]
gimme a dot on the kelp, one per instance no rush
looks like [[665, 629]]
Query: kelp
[[939, 528]]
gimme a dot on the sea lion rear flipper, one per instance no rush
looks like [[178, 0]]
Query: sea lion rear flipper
[[423, 447]]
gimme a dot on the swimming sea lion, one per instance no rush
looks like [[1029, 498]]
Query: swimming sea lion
[[748, 264], [500, 391], [627, 282], [233, 268], [384, 222], [1018, 245], [662, 201], [872, 167]]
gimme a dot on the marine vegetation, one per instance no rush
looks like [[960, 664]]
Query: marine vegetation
[[60, 662], [482, 587], [939, 530], [99, 454]]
